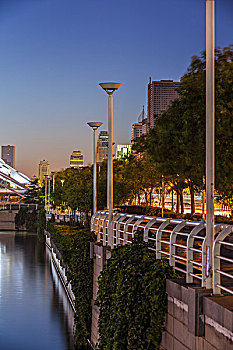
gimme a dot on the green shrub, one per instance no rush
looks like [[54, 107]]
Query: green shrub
[[41, 222], [132, 298]]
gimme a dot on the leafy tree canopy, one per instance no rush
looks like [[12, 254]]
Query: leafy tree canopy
[[177, 141]]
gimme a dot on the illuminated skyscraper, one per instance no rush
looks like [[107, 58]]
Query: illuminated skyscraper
[[160, 95], [76, 159], [102, 146], [8, 155], [43, 170]]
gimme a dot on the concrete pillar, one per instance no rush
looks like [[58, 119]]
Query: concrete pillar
[[100, 254]]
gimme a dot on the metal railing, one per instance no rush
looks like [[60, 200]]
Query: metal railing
[[182, 242]]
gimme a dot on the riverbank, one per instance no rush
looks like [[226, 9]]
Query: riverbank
[[71, 250], [61, 271]]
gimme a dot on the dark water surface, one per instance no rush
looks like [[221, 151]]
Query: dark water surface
[[34, 311]]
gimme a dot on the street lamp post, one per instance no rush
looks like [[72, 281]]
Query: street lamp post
[[46, 192], [53, 177], [49, 193], [163, 199], [210, 135], [94, 126], [62, 184], [110, 88]]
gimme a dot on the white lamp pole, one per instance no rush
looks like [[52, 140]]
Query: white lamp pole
[[53, 174], [210, 135], [46, 193], [94, 126], [110, 88]]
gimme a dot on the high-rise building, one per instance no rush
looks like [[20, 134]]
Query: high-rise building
[[160, 95], [43, 169], [8, 155], [76, 159], [102, 146], [136, 131], [123, 151]]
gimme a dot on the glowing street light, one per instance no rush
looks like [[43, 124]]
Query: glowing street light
[[110, 88], [94, 126]]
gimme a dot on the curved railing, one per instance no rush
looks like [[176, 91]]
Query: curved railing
[[182, 242]]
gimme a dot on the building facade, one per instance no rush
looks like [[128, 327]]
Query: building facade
[[136, 131], [123, 151], [160, 95], [43, 169], [102, 146], [8, 155], [76, 159]]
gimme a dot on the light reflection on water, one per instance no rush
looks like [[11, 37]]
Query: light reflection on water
[[35, 313]]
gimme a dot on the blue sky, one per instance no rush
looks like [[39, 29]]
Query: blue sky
[[53, 54]]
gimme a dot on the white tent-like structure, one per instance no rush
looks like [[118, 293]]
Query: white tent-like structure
[[12, 181]]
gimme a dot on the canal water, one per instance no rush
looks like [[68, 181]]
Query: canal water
[[35, 313]]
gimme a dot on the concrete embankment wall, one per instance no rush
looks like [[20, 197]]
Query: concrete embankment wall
[[61, 271], [7, 220], [194, 321]]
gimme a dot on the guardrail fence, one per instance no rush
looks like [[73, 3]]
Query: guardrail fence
[[182, 242]]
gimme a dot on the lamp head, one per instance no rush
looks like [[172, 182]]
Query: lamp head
[[110, 87], [94, 125]]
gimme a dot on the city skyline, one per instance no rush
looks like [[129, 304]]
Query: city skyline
[[53, 56]]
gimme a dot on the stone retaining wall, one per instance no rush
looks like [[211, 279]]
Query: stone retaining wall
[[61, 271], [7, 220], [196, 321], [100, 254]]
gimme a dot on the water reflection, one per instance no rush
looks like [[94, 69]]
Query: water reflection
[[35, 312]]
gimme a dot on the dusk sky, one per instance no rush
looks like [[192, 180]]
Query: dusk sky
[[53, 54]]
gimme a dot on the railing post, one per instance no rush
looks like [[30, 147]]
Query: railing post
[[216, 261], [105, 229], [173, 235], [147, 228], [158, 238], [190, 241]]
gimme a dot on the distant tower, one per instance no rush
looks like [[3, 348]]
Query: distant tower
[[76, 159], [102, 146], [8, 155], [43, 169], [144, 121], [160, 96]]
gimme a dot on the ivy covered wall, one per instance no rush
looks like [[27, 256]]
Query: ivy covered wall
[[132, 298]]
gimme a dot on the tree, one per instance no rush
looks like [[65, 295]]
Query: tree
[[177, 141], [76, 190]]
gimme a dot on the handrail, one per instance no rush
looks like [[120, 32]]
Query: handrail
[[223, 234], [182, 242]]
